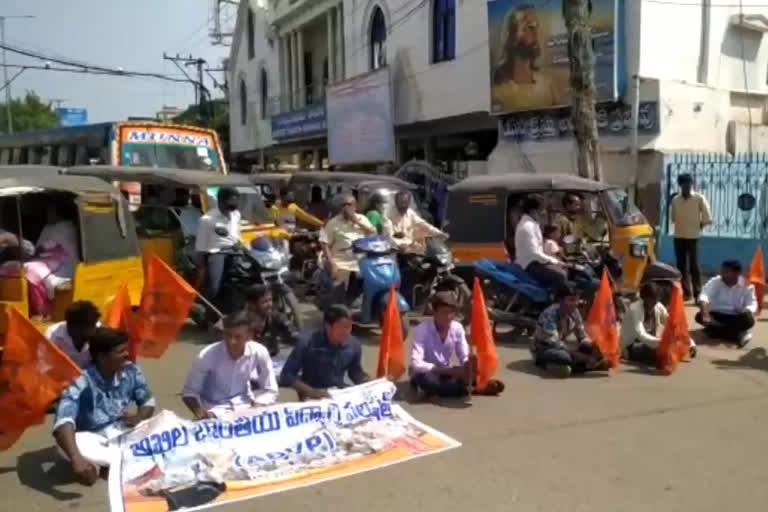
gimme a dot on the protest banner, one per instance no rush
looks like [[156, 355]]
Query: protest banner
[[167, 463]]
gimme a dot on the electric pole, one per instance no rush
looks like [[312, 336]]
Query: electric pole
[[6, 82], [577, 15], [202, 96]]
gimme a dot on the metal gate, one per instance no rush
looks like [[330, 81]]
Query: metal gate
[[737, 190]]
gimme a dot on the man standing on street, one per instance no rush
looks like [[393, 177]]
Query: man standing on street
[[689, 212]]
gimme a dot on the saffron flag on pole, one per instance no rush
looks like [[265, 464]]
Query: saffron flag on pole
[[33, 374], [392, 345], [675, 341], [165, 304], [481, 335], [119, 317], [601, 323], [757, 277]]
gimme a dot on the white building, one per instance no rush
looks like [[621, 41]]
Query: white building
[[703, 71], [435, 50]]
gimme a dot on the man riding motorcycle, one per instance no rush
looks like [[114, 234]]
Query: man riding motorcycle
[[409, 230], [209, 243]]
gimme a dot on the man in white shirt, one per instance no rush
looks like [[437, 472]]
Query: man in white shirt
[[336, 240], [529, 247], [408, 228], [70, 335], [209, 243], [690, 212], [728, 305], [223, 375]]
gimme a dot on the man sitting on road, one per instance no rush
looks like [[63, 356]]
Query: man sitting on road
[[558, 327], [270, 327], [320, 362], [93, 411], [336, 240], [529, 247], [435, 344], [224, 373], [209, 243], [728, 305], [70, 335], [408, 228]]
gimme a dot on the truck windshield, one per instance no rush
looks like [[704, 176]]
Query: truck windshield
[[623, 212]]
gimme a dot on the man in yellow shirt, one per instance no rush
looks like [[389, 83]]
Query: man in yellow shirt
[[286, 213], [689, 211]]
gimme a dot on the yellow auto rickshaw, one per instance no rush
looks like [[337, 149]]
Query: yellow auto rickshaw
[[172, 201], [77, 230], [482, 216]]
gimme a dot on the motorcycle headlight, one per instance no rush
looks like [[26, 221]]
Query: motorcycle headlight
[[638, 248]]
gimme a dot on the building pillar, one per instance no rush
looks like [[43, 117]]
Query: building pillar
[[300, 74], [330, 26], [283, 51], [317, 163], [340, 65], [295, 67]]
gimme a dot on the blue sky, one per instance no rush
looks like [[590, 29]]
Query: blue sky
[[130, 34]]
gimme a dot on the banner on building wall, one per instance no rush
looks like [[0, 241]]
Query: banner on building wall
[[612, 119], [306, 122], [360, 120], [72, 116], [168, 463], [528, 47]]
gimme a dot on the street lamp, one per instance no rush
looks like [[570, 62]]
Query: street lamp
[[6, 82]]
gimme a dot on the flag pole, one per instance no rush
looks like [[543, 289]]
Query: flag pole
[[209, 304]]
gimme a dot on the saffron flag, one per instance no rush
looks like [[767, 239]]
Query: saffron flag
[[392, 346], [165, 304], [120, 317], [481, 335], [33, 374], [757, 277], [601, 323], [675, 341]]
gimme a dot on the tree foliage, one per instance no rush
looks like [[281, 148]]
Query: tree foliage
[[28, 113], [196, 116]]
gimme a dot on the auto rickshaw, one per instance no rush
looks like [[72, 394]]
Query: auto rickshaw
[[482, 219], [172, 202], [108, 249]]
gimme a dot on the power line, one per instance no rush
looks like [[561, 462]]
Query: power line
[[87, 67], [127, 74]]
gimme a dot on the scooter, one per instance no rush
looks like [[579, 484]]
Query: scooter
[[378, 273]]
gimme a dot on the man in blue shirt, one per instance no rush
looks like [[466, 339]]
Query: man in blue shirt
[[93, 410], [320, 362]]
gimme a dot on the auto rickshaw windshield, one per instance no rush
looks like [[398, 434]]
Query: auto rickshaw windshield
[[622, 210]]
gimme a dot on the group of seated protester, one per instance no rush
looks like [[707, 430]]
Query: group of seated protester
[[50, 262], [112, 395]]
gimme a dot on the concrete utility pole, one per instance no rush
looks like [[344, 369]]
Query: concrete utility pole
[[577, 15], [6, 82], [202, 95]]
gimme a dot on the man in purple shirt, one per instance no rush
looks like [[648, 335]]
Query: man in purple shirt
[[436, 343]]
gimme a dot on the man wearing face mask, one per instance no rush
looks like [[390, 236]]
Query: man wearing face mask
[[209, 243], [529, 247]]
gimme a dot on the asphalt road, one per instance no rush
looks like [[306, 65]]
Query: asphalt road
[[631, 441]]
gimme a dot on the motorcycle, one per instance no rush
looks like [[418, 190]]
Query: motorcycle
[[264, 262], [378, 273], [430, 273], [516, 299]]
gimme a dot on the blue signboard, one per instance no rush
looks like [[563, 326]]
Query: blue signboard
[[299, 123], [72, 116]]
